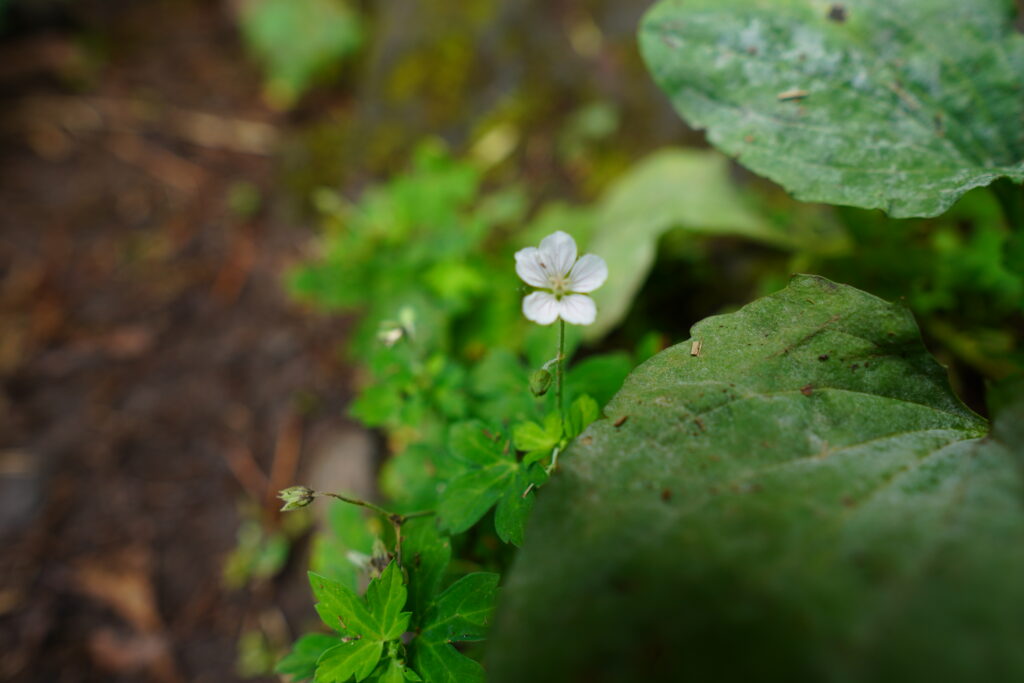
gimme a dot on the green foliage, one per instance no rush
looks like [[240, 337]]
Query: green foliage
[[806, 500], [901, 106], [365, 626], [461, 614], [491, 475], [688, 189], [299, 41]]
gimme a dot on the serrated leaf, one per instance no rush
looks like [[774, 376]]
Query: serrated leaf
[[462, 613], [471, 442], [356, 658], [900, 106], [300, 663], [530, 436], [426, 554], [386, 597], [492, 476], [806, 500], [339, 607]]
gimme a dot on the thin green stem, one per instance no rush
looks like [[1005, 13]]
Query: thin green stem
[[560, 373], [356, 501], [396, 520]]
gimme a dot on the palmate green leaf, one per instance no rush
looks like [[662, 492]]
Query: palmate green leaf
[[806, 500], [492, 476], [462, 613], [673, 188], [365, 626], [902, 106]]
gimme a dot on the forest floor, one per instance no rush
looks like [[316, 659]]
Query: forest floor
[[153, 373]]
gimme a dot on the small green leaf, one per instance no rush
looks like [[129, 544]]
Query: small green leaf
[[471, 442], [462, 613], [301, 661], [582, 412], [530, 436], [899, 106], [386, 597], [356, 658], [340, 608]]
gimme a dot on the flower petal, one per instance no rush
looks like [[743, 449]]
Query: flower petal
[[578, 309], [529, 269], [558, 253], [588, 274], [541, 307]]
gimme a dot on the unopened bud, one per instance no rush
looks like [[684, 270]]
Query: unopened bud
[[540, 382], [296, 497]]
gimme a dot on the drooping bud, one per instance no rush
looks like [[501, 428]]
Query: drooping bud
[[296, 497], [540, 382]]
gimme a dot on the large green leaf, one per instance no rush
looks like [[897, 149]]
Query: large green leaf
[[672, 188], [902, 105], [804, 500]]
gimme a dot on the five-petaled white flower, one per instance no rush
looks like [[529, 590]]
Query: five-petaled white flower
[[554, 269]]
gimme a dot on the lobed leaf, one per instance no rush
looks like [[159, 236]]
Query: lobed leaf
[[461, 613]]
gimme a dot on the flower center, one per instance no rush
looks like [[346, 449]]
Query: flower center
[[559, 284]]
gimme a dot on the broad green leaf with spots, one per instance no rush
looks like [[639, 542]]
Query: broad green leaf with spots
[[365, 625], [902, 106], [806, 500], [492, 475], [462, 613]]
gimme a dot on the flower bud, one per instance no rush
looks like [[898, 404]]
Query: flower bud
[[296, 497], [540, 382]]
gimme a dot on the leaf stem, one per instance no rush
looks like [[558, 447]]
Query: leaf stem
[[396, 519]]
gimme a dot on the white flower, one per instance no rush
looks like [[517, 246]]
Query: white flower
[[554, 269]]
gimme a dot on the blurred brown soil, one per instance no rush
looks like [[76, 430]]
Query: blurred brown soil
[[152, 371]]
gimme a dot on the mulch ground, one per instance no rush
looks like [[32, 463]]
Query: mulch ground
[[153, 372]]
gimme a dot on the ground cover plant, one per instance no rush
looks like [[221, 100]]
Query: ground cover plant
[[793, 492]]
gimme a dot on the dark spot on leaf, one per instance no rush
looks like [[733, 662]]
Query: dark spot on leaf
[[416, 560], [666, 495], [587, 440], [837, 13], [823, 357], [621, 421], [700, 423], [807, 389], [848, 502], [855, 367]]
